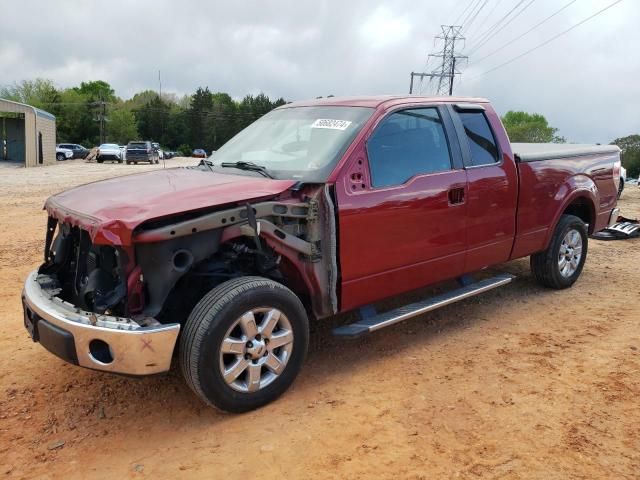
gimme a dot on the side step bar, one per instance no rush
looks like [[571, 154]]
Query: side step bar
[[371, 321]]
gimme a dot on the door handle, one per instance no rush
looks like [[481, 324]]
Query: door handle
[[456, 196]]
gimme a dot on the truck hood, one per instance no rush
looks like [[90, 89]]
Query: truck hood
[[111, 209]]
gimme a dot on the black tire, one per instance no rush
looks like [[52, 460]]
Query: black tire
[[119, 161], [545, 265], [60, 157], [621, 187], [210, 322], [128, 163], [99, 161]]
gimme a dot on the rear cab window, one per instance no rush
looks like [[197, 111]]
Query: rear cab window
[[483, 147], [408, 143]]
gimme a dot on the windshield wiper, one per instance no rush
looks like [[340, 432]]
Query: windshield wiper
[[207, 163], [250, 166]]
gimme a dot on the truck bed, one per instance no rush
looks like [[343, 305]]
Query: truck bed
[[532, 152], [552, 174]]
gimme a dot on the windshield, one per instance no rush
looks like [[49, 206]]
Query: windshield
[[108, 145], [301, 143], [137, 145]]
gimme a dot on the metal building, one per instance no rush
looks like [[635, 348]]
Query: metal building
[[27, 134]]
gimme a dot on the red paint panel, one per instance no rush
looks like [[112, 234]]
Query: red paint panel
[[397, 239], [546, 189], [111, 209], [493, 194]]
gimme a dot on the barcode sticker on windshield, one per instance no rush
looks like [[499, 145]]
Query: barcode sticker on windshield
[[332, 124]]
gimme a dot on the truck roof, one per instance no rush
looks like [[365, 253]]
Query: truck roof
[[380, 100]]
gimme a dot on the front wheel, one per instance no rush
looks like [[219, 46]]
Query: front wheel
[[244, 343], [60, 157], [560, 265]]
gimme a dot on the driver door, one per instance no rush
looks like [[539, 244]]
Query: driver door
[[404, 225]]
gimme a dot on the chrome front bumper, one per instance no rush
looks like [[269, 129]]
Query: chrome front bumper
[[99, 342]]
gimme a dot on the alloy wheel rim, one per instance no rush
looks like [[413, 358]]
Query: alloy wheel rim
[[570, 253], [256, 349]]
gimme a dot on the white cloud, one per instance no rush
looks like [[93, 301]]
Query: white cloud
[[585, 83], [383, 28]]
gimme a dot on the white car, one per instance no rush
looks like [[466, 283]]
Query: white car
[[159, 150], [109, 152], [63, 154], [623, 179]]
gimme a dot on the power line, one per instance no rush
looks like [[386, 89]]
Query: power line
[[474, 4], [499, 22], [469, 22], [503, 26], [487, 17], [447, 69], [457, 22], [451, 34], [510, 42], [547, 41]]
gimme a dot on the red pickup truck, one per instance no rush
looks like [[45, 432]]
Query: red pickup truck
[[317, 208]]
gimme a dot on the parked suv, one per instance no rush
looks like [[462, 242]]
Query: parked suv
[[78, 150], [141, 151], [109, 152], [63, 154]]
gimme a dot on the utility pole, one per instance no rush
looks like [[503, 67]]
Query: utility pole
[[446, 71], [101, 119]]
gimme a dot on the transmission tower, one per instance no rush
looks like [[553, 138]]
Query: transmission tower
[[446, 71]]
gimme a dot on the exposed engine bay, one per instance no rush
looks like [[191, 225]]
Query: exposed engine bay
[[174, 261]]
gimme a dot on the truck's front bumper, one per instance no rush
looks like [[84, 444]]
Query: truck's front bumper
[[100, 342]]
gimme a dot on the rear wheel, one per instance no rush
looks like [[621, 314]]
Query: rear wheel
[[99, 161], [560, 265], [244, 343]]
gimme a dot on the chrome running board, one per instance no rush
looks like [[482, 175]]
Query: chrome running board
[[371, 321]]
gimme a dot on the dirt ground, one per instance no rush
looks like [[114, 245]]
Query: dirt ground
[[521, 382]]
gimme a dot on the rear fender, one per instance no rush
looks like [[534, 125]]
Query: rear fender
[[578, 190]]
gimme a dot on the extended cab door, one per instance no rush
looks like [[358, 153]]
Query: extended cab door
[[402, 207], [492, 185]]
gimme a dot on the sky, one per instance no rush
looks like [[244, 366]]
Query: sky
[[587, 82]]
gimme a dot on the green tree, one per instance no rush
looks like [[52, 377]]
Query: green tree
[[97, 90], [152, 119], [76, 121], [40, 93], [630, 146], [530, 128], [198, 118], [202, 120], [122, 126]]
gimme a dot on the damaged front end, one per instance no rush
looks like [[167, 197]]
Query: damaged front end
[[91, 277], [82, 306], [119, 307]]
